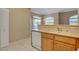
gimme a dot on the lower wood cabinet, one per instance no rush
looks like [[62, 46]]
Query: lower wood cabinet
[[51, 42], [47, 44], [65, 39], [77, 44], [60, 46]]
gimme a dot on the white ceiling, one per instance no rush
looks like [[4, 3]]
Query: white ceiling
[[45, 11]]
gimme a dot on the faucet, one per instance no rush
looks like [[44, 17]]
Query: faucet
[[59, 29]]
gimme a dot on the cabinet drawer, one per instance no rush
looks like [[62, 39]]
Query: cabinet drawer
[[59, 46], [66, 39], [47, 35]]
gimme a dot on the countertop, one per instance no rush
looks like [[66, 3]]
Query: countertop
[[36, 30], [63, 33]]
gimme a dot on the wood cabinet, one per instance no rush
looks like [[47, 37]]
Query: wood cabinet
[[63, 43], [52, 42], [60, 46], [46, 35], [47, 42], [77, 44], [65, 39]]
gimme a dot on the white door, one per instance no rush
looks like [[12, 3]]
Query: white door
[[4, 14]]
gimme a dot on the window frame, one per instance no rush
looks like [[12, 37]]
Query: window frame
[[38, 18], [73, 22], [51, 23]]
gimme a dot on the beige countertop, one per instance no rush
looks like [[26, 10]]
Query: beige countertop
[[63, 33], [36, 30]]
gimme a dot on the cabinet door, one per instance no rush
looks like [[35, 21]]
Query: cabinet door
[[47, 44], [59, 46], [44, 44], [77, 45]]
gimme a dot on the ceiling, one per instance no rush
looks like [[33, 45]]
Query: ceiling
[[45, 11]]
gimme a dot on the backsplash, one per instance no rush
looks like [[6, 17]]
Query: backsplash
[[61, 28]]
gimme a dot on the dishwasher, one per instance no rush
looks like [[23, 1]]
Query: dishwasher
[[36, 39]]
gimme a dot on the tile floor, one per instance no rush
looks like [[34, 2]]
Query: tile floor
[[20, 45]]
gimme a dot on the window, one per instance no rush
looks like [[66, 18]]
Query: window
[[49, 21], [36, 22], [73, 20]]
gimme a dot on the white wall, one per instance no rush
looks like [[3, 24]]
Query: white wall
[[20, 24], [0, 28], [4, 37]]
